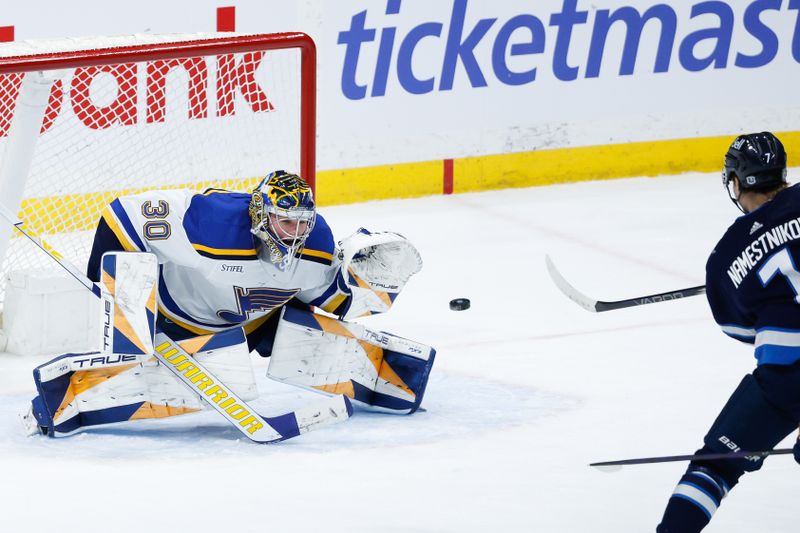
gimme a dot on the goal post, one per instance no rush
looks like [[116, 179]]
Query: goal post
[[85, 120]]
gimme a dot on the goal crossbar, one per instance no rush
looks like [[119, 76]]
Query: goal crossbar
[[14, 64]]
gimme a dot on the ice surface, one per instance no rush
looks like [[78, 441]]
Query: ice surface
[[526, 391]]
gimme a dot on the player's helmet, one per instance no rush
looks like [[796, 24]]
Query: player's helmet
[[758, 160], [282, 212]]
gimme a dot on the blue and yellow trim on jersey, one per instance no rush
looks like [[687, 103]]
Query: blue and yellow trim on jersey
[[319, 246], [336, 298], [119, 223], [217, 225], [190, 328], [231, 254], [317, 256]]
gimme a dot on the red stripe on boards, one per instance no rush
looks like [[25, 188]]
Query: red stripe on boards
[[6, 34], [226, 18], [447, 178]]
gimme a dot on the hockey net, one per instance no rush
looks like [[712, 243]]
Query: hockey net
[[83, 121]]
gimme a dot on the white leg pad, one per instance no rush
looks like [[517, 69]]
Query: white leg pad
[[374, 368], [80, 391]]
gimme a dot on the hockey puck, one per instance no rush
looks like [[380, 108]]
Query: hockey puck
[[459, 304]]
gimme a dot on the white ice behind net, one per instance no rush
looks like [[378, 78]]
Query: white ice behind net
[[207, 121]]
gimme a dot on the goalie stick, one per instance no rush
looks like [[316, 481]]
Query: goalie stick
[[36, 239], [257, 428], [598, 306], [613, 466]]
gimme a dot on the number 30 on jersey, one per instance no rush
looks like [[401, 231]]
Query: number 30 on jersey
[[156, 228]]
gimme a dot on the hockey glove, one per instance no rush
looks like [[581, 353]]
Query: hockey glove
[[384, 260], [376, 267]]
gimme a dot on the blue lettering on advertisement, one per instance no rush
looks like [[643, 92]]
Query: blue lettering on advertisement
[[524, 35], [795, 4]]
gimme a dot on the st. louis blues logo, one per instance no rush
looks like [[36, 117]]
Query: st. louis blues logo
[[254, 300]]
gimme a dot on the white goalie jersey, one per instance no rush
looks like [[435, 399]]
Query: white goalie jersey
[[211, 276]]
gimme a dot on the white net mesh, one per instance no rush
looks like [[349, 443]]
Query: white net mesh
[[112, 129]]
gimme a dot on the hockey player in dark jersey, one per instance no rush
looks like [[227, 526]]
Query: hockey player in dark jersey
[[753, 288]]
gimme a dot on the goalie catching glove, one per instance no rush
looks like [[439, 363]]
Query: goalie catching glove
[[376, 267]]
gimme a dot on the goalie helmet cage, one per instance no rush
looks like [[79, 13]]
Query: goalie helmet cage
[[85, 120]]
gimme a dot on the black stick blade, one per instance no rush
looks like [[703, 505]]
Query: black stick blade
[[611, 466]]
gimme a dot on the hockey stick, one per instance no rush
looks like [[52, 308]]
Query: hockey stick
[[257, 428], [260, 429], [598, 306], [36, 239], [614, 466]]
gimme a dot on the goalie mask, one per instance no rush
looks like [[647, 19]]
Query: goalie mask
[[282, 213]]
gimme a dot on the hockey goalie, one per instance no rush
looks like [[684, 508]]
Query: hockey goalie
[[192, 283]]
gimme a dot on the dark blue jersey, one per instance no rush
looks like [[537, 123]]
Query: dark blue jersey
[[753, 281]]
